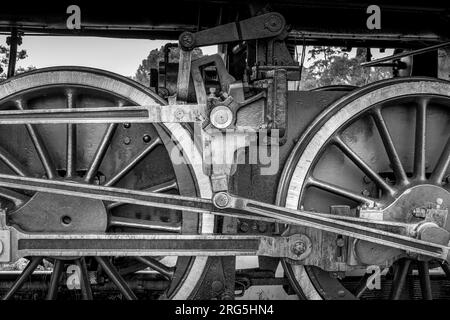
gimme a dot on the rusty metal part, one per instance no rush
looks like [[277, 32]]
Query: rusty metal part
[[262, 26]]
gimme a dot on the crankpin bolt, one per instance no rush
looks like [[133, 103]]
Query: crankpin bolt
[[221, 117], [221, 200]]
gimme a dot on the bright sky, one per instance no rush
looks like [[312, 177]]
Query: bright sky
[[122, 56]]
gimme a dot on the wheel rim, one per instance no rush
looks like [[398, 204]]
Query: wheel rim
[[359, 120], [126, 156]]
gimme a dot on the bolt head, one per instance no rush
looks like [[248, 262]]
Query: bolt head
[[299, 248], [217, 286], [187, 40], [243, 227], [274, 23], [340, 242], [179, 114], [126, 140], [146, 138], [341, 293], [221, 200], [221, 117]]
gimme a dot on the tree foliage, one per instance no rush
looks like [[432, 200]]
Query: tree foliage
[[154, 57], [4, 59], [332, 66]]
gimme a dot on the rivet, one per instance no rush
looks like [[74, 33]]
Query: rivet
[[146, 138]]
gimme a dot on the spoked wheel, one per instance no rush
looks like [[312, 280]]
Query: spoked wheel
[[386, 146], [133, 156]]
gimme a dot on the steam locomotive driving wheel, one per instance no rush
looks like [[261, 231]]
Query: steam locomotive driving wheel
[[382, 147], [133, 156]]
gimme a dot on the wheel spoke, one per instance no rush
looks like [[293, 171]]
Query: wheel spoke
[[12, 163], [420, 152], [166, 271], [425, 282], [362, 287], [337, 190], [17, 198], [138, 158], [86, 290], [400, 279], [31, 266], [42, 152], [441, 167], [115, 277], [391, 151], [54, 280], [163, 187], [102, 148], [71, 140], [101, 151], [446, 268], [115, 221], [363, 166]]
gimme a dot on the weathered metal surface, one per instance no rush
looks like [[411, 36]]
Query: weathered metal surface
[[374, 143], [133, 155], [345, 23], [146, 245], [261, 26], [354, 228], [127, 114]]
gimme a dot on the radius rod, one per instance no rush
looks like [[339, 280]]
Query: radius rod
[[225, 204]]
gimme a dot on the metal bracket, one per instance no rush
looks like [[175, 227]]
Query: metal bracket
[[5, 239], [262, 26]]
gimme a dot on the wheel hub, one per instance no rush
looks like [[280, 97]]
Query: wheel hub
[[46, 212], [420, 202]]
